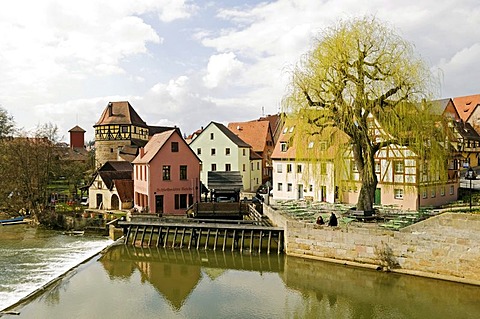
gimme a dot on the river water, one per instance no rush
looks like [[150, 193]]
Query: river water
[[127, 282]]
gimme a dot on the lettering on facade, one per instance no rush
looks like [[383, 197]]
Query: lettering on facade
[[174, 189]]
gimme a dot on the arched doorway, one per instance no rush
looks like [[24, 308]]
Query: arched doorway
[[115, 202]]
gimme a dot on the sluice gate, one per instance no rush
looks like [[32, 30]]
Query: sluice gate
[[234, 235]]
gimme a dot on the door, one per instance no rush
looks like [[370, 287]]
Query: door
[[378, 196], [159, 204], [323, 190], [115, 202], [300, 191], [99, 201]]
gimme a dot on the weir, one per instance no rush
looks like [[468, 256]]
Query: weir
[[224, 235]]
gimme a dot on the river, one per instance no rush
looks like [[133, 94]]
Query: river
[[127, 282]]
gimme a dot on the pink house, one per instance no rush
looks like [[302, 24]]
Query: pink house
[[166, 175]]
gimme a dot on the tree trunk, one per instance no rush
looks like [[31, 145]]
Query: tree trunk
[[364, 158]]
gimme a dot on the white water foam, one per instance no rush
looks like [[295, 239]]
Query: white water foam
[[29, 269]]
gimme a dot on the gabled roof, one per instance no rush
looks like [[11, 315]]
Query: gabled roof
[[116, 166], [120, 113], [153, 146], [466, 131], [156, 143], [124, 189], [445, 107], [152, 130], [77, 128], [109, 177], [255, 156], [254, 133], [284, 137], [465, 105], [234, 138], [231, 180]]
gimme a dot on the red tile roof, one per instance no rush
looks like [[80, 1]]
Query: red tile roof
[[465, 105], [254, 133]]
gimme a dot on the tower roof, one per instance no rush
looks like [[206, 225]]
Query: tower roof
[[77, 128], [120, 113]]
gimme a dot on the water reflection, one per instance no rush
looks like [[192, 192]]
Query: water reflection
[[128, 282], [358, 293], [176, 273]]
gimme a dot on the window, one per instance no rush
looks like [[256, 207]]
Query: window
[[398, 167], [99, 185], [377, 167], [166, 172], [279, 187], [214, 167], [354, 167], [180, 201], [283, 146], [199, 151], [398, 193], [124, 129], [252, 167], [289, 168], [310, 144], [285, 130], [244, 152], [442, 191], [434, 192], [211, 136], [213, 151], [323, 146], [291, 129], [289, 187], [323, 168], [279, 168], [310, 188], [452, 190], [299, 168], [183, 172], [424, 193], [174, 147], [227, 151], [228, 167], [244, 167]]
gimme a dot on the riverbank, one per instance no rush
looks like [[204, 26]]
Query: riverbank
[[441, 247]]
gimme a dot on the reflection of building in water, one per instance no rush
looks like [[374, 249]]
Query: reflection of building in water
[[213, 273], [174, 281], [115, 263]]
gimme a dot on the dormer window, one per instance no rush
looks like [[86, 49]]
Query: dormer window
[[283, 146], [285, 130]]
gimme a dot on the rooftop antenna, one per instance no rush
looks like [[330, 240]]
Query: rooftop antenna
[[263, 111]]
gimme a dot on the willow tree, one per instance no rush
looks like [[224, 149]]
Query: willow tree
[[358, 74]]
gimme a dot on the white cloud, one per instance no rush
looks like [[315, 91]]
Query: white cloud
[[176, 9], [222, 68]]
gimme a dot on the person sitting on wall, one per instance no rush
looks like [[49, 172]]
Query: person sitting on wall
[[333, 220], [320, 220]]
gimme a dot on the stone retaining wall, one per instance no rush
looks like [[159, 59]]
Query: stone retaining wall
[[446, 246]]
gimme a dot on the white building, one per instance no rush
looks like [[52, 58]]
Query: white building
[[221, 150]]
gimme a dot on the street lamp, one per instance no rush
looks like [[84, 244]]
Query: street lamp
[[470, 175]]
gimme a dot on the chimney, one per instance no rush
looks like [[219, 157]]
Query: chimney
[[110, 109]]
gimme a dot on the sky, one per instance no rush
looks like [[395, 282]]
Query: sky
[[189, 62]]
